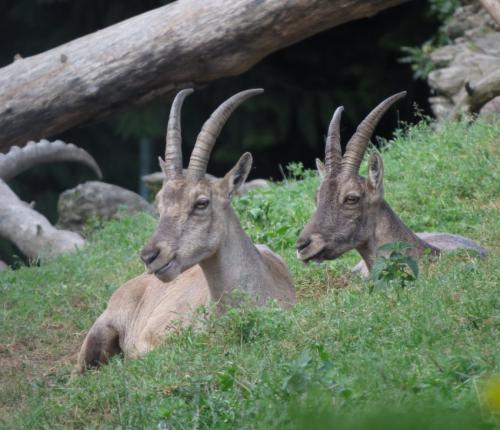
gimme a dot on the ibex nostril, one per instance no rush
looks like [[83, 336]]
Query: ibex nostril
[[148, 256], [303, 243]]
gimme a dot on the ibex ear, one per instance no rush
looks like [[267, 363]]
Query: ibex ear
[[321, 168], [376, 174], [163, 166], [237, 176]]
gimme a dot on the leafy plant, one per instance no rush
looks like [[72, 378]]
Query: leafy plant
[[419, 56], [443, 9], [296, 170], [397, 268]]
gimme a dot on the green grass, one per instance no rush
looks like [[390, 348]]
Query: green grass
[[412, 358]]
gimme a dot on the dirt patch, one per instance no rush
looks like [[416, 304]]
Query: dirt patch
[[24, 363], [319, 287]]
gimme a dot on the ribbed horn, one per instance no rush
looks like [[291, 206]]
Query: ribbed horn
[[173, 142], [358, 143], [18, 160], [333, 151], [210, 131]]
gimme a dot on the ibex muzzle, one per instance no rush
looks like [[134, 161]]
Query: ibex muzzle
[[192, 206]]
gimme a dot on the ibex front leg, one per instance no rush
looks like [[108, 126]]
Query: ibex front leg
[[101, 343]]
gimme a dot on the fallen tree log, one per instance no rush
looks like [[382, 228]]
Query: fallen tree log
[[30, 231], [185, 43], [20, 224]]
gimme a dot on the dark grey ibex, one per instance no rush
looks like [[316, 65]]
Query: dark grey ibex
[[198, 254], [351, 212], [29, 230]]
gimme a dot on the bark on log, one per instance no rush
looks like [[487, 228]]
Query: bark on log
[[30, 231], [185, 43]]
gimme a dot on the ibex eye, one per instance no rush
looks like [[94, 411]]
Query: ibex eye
[[351, 200], [202, 203]]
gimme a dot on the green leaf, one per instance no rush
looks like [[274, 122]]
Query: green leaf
[[413, 265], [397, 246]]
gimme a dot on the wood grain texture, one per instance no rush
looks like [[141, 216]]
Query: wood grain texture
[[152, 55]]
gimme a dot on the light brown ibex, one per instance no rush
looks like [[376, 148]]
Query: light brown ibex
[[351, 212], [198, 254]]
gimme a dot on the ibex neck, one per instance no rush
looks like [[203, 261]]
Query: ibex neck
[[237, 264], [389, 228]]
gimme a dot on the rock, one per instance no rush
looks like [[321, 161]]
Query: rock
[[3, 266], [253, 185], [473, 54], [99, 200], [153, 181], [469, 20], [492, 107]]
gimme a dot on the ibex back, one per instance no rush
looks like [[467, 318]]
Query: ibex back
[[351, 212], [198, 254]]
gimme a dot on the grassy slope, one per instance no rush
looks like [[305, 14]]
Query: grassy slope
[[425, 347]]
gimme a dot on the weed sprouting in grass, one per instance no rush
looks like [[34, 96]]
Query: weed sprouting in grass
[[396, 268], [399, 358]]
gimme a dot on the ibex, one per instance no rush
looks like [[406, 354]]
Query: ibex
[[198, 253], [351, 212]]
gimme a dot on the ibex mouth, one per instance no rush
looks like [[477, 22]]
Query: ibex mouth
[[316, 258], [311, 250], [163, 269]]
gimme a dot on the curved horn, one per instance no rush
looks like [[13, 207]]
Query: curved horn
[[333, 151], [18, 160], [173, 143], [210, 131], [358, 143]]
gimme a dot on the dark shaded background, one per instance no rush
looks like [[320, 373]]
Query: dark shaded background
[[355, 65]]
